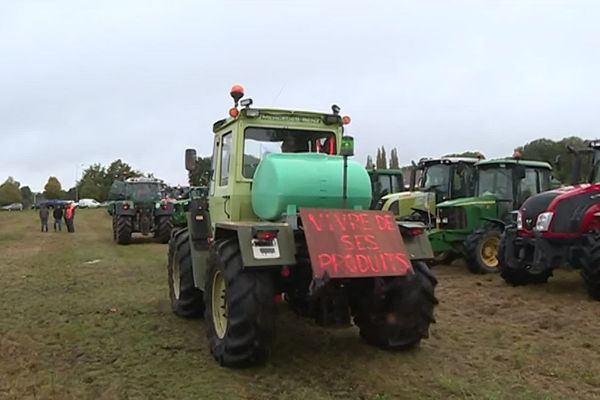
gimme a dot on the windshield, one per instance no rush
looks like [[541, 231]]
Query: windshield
[[389, 184], [258, 142], [143, 191], [495, 182]]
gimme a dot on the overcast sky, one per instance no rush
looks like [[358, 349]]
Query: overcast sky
[[90, 82]]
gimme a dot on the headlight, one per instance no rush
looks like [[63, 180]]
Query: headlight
[[543, 221], [519, 221]]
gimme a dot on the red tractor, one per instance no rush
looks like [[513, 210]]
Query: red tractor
[[557, 227]]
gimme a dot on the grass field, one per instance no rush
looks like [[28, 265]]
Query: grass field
[[83, 318]]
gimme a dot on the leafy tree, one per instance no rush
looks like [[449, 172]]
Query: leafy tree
[[26, 196], [53, 189], [394, 162], [471, 154], [370, 164], [121, 170], [383, 159], [9, 192], [200, 175]]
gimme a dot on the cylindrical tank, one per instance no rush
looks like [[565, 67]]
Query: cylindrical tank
[[306, 180]]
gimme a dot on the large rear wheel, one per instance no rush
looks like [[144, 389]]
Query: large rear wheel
[[186, 298], [240, 308], [124, 229], [481, 249], [398, 315], [165, 225]]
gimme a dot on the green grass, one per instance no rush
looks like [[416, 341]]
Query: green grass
[[70, 329]]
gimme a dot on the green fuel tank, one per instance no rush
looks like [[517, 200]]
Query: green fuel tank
[[306, 180]]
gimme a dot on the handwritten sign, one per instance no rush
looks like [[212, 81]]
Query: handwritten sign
[[354, 244]]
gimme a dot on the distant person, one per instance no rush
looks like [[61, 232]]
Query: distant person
[[44, 214], [69, 217], [58, 214]]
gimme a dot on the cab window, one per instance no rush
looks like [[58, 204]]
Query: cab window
[[225, 159]]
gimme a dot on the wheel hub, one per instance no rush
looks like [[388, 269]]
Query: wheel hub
[[219, 304], [489, 251]]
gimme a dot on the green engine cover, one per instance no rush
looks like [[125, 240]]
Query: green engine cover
[[306, 180]]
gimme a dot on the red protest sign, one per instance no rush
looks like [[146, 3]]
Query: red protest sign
[[354, 244]]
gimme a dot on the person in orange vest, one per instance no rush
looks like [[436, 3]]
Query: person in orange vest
[[69, 217]]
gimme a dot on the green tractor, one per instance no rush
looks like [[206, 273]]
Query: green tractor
[[384, 182], [441, 179], [184, 200], [287, 220], [473, 226], [137, 206]]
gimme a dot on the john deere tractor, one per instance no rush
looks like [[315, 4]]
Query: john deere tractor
[[439, 180], [287, 220], [184, 201], [472, 226], [137, 206]]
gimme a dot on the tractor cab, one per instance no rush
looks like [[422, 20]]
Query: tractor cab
[[384, 182], [432, 181]]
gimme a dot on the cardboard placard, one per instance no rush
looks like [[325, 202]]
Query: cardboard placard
[[354, 244]]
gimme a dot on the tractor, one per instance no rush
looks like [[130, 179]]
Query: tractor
[[137, 206], [286, 220], [440, 179], [556, 228], [472, 226], [184, 200], [384, 182]]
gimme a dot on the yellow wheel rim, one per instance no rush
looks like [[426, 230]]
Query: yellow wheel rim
[[489, 251], [219, 304]]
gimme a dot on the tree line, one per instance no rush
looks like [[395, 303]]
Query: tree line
[[95, 183]]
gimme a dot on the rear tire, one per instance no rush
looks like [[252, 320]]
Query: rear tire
[[240, 308], [515, 273], [164, 228], [481, 249], [124, 229], [399, 318], [445, 257], [186, 298], [590, 266]]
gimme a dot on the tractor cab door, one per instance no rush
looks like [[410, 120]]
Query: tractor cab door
[[222, 177]]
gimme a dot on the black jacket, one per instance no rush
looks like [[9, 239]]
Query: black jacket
[[57, 213]]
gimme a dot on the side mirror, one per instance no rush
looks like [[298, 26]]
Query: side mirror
[[347, 147], [519, 172], [190, 159], [557, 161]]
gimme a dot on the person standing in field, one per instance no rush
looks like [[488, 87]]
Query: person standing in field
[[44, 213], [58, 216], [69, 217]]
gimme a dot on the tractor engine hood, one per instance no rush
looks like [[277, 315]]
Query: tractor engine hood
[[468, 201], [407, 201], [307, 180], [535, 205]]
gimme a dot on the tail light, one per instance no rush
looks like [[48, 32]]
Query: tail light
[[125, 206], [265, 235], [164, 206], [415, 232]]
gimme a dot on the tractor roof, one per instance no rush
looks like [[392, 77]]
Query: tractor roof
[[513, 161], [385, 171], [447, 160], [309, 119]]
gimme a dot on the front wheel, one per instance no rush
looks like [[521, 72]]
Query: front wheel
[[240, 308], [399, 317], [514, 271], [186, 298], [481, 249], [590, 266]]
